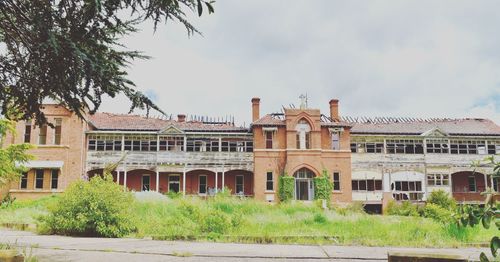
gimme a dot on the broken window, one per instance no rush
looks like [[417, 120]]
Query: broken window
[[468, 147], [104, 143], [438, 179], [140, 143], [405, 146], [303, 136], [369, 145], [336, 140], [437, 146], [171, 143], [493, 147]]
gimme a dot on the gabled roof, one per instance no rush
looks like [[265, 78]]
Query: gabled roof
[[423, 126], [125, 122]]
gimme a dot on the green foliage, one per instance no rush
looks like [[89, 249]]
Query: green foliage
[[70, 51], [7, 201], [216, 221], [13, 156], [173, 195], [320, 218], [442, 199], [98, 207], [351, 208], [406, 208], [286, 187], [436, 212], [323, 187]]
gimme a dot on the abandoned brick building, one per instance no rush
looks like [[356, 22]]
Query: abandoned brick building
[[372, 160]]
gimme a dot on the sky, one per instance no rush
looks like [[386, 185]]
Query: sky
[[379, 58]]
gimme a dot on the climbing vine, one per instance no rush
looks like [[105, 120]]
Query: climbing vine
[[286, 187], [323, 186]]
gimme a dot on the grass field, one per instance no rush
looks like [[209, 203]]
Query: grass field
[[246, 220]]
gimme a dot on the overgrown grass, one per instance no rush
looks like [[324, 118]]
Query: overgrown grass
[[25, 211], [246, 220]]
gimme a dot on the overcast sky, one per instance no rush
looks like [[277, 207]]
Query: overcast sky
[[380, 58]]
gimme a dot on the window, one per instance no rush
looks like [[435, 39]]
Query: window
[[57, 131], [202, 184], [237, 144], [408, 186], [24, 181], [495, 184], [174, 183], [472, 183], [468, 147], [54, 178], [269, 139], [269, 181], [140, 143], [336, 140], [171, 143], [371, 145], [336, 181], [105, 143], [39, 179], [438, 179], [493, 147], [405, 146], [27, 132], [437, 146], [146, 182], [239, 185], [42, 136], [367, 185], [303, 135]]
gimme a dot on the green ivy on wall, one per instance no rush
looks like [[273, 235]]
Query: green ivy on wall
[[286, 186], [323, 186]]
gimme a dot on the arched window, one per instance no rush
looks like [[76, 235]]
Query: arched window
[[303, 135]]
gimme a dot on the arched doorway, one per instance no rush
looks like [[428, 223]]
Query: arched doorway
[[304, 184]]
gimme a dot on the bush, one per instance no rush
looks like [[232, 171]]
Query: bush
[[442, 199], [286, 187], [404, 209], [173, 195], [98, 207], [216, 221], [437, 213], [356, 207], [320, 218], [323, 187]]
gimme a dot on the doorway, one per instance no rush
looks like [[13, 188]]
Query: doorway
[[304, 184]]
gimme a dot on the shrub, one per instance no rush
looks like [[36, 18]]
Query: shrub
[[173, 195], [356, 207], [98, 207], [320, 218], [442, 199], [323, 187], [406, 208], [437, 213], [216, 221], [286, 187]]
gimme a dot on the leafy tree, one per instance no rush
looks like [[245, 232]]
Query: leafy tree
[[472, 215], [69, 51], [11, 157]]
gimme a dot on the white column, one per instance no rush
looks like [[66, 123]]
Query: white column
[[222, 177], [216, 181], [125, 179], [184, 181], [118, 177], [157, 180], [485, 181]]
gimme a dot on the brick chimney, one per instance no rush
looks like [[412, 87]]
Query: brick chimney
[[255, 109], [181, 118], [334, 109]]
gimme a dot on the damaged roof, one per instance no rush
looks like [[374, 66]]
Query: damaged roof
[[419, 126], [278, 119], [125, 122]]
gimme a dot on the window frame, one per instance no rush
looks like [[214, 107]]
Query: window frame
[[142, 182], [35, 186], [23, 180], [269, 182], [242, 184], [57, 131], [27, 132], [44, 136], [336, 182], [54, 172], [199, 184]]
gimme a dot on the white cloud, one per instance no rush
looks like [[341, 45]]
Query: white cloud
[[410, 58]]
